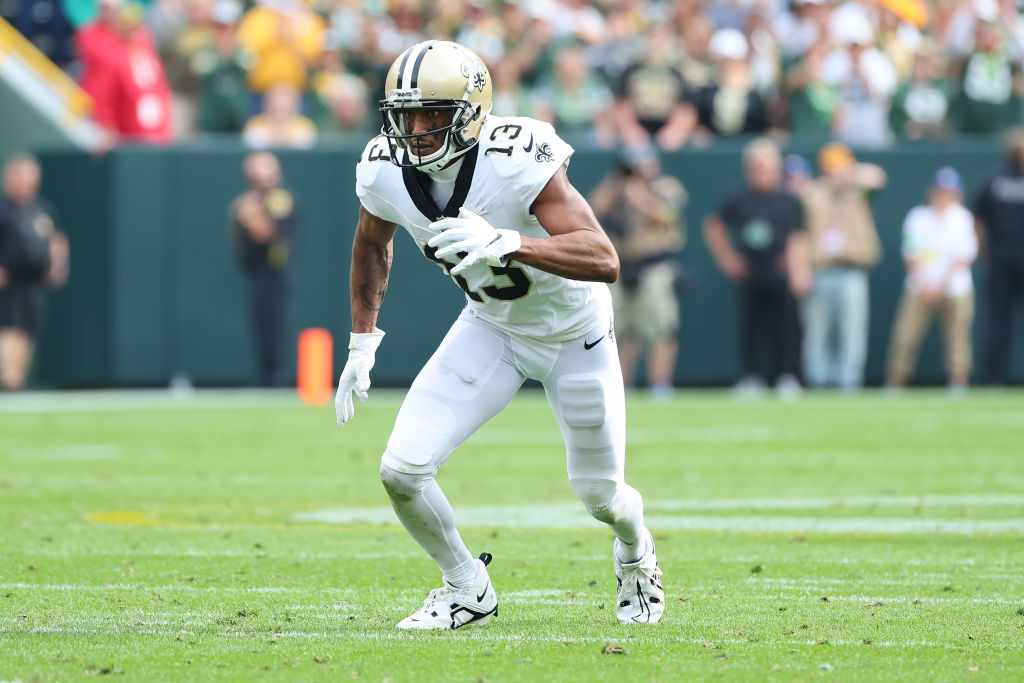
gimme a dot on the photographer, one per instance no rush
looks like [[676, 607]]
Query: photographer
[[642, 211], [263, 223]]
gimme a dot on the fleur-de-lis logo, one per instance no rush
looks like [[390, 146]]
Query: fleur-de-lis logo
[[476, 73]]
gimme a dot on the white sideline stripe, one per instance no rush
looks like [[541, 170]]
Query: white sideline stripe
[[486, 634], [738, 433], [83, 451], [572, 516]]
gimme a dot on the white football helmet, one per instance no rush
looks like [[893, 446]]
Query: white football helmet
[[435, 74]]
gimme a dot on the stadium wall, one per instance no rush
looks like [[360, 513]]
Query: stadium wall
[[155, 289]]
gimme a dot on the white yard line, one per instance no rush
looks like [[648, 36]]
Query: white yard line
[[572, 516]]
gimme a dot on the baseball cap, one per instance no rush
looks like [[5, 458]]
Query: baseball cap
[[835, 156], [947, 178], [728, 43]]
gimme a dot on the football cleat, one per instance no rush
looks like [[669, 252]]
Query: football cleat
[[641, 597], [449, 607]]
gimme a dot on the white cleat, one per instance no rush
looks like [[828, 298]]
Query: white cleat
[[449, 607], [641, 597]]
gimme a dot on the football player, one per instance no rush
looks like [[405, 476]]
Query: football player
[[488, 200]]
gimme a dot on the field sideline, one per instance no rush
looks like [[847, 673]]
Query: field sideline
[[239, 536]]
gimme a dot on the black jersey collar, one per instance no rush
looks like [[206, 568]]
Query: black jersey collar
[[417, 183]]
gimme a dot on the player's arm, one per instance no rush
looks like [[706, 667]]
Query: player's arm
[[372, 252], [577, 248], [371, 264]]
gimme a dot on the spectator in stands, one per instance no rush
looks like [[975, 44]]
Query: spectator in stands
[[999, 210], [511, 97], [939, 245], [865, 79], [763, 258], [843, 246], [338, 101], [921, 107], [642, 211], [651, 106], [46, 26], [281, 124], [813, 101], [285, 38], [797, 30], [222, 67], [696, 65], [124, 76], [33, 257], [991, 84], [731, 105], [575, 99], [263, 226]]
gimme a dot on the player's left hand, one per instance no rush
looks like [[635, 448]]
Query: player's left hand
[[472, 234]]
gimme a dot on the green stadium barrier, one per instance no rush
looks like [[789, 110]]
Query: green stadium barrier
[[156, 291]]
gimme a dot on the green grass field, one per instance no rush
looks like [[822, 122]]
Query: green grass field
[[244, 537]]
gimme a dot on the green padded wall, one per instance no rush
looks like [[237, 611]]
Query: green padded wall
[[156, 289]]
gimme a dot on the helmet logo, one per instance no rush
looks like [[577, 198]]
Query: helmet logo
[[475, 71]]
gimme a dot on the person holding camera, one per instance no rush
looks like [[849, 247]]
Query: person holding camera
[[642, 211]]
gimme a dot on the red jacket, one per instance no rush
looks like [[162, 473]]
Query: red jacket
[[126, 80]]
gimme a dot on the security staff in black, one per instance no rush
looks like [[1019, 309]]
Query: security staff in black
[[263, 224], [33, 256], [999, 210]]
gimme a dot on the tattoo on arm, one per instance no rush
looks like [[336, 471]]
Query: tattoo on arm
[[376, 269]]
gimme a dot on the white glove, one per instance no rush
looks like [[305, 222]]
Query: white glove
[[355, 378], [479, 239]]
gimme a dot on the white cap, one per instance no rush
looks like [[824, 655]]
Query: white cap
[[849, 25], [728, 43]]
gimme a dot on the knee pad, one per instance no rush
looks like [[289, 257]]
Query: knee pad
[[403, 485]]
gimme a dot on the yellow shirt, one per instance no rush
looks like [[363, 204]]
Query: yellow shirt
[[285, 44]]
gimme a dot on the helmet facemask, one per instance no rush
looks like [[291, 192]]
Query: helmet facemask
[[403, 143]]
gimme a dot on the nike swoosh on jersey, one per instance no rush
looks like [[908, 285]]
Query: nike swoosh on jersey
[[529, 146], [590, 346]]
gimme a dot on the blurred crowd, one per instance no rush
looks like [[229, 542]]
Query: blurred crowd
[[285, 72]]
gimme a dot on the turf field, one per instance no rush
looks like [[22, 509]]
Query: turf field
[[244, 537]]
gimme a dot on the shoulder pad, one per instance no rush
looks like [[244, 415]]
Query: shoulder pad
[[519, 144], [375, 154]]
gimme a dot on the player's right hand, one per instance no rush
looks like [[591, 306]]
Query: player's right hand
[[355, 377]]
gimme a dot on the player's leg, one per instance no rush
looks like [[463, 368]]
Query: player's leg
[[465, 383], [586, 395]]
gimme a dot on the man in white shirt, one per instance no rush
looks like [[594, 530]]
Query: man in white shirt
[[939, 246]]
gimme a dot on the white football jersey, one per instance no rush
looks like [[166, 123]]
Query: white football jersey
[[499, 180]]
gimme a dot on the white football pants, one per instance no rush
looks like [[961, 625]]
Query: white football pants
[[474, 373]]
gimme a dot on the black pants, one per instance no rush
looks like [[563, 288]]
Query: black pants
[[268, 299], [770, 327], [1005, 289]]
